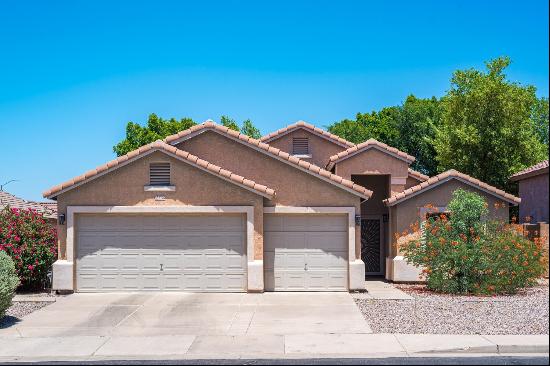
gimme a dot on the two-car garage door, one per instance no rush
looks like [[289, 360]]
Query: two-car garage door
[[160, 253]]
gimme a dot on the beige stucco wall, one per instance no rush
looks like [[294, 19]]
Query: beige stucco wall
[[292, 186], [125, 187], [407, 212], [320, 148], [373, 160]]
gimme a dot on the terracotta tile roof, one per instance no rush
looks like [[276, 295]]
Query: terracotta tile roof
[[52, 206], [370, 143], [177, 153], [8, 199], [536, 169], [417, 175], [301, 124], [274, 152], [443, 177]]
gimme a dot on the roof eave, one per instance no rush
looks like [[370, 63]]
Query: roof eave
[[534, 173], [265, 193], [389, 202], [334, 161]]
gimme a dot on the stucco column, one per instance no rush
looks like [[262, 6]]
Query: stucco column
[[356, 265], [255, 262]]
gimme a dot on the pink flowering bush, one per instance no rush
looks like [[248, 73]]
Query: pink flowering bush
[[31, 242]]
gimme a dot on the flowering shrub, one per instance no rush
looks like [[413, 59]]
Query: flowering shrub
[[31, 242], [464, 252]]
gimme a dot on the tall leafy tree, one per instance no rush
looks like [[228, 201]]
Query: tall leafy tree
[[417, 127], [539, 116], [486, 128], [409, 127], [156, 128], [377, 125], [250, 130]]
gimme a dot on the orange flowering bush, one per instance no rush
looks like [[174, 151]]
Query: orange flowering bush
[[465, 253]]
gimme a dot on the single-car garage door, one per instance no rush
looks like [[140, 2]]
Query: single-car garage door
[[305, 252], [160, 253]]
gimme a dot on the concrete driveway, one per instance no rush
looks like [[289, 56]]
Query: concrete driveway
[[165, 314]]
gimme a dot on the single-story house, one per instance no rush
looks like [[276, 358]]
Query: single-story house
[[48, 209], [533, 191], [210, 209]]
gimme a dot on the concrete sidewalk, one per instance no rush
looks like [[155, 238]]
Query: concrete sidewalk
[[315, 345], [382, 290]]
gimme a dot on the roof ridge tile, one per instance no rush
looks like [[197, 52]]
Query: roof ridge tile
[[309, 126]]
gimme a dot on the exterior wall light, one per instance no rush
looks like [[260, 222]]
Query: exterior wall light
[[61, 219], [358, 220]]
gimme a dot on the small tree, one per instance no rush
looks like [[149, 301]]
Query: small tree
[[229, 123], [467, 253], [31, 242], [155, 129], [250, 130], [8, 282]]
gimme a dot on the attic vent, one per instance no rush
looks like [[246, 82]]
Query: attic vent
[[159, 174], [300, 146]]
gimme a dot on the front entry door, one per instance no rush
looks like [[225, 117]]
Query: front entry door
[[371, 245]]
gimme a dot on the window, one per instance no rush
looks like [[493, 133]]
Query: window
[[300, 146], [438, 215], [159, 174]]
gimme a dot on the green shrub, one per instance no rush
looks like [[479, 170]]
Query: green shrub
[[31, 242], [465, 253], [8, 282]]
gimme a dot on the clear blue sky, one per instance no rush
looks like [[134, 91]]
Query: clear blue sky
[[73, 73]]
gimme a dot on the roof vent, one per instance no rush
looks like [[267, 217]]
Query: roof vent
[[300, 146], [159, 174]]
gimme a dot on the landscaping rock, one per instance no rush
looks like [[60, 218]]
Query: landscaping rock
[[524, 313]]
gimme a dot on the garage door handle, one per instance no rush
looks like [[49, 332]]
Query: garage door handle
[[161, 267], [305, 267]]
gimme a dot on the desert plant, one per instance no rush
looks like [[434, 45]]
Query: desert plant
[[31, 242], [8, 282], [465, 252]]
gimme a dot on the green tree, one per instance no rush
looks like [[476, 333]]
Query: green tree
[[250, 130], [229, 123], [376, 125], [417, 127], [539, 116], [156, 128], [486, 129], [409, 127]]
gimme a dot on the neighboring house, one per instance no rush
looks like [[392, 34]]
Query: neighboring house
[[210, 209], [533, 191], [49, 209]]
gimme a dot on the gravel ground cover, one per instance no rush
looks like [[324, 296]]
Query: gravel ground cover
[[522, 313]]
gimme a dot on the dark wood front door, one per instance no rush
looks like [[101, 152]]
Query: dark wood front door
[[371, 245]]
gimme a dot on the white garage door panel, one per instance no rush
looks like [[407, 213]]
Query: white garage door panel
[[160, 253], [306, 252]]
